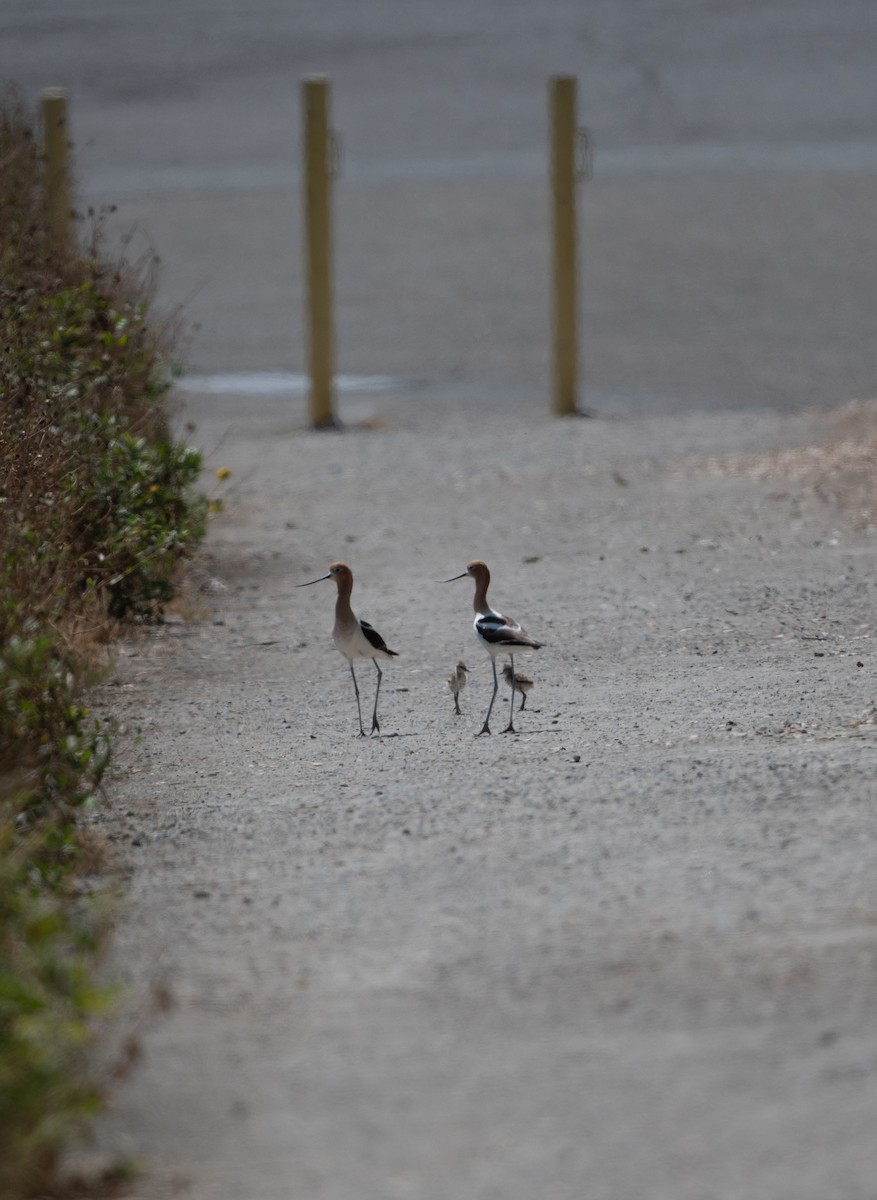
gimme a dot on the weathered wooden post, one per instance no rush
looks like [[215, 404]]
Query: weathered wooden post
[[56, 148], [318, 170], [564, 292]]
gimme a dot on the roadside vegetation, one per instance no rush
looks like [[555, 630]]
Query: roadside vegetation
[[97, 508]]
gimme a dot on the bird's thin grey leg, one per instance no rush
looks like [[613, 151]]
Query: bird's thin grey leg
[[375, 725], [510, 728], [523, 701], [457, 708], [358, 709], [485, 728]]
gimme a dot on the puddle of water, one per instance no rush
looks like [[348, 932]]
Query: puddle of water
[[278, 383]]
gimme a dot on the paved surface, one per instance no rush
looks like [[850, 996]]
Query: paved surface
[[729, 246]]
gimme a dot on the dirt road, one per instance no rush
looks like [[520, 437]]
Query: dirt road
[[631, 951]]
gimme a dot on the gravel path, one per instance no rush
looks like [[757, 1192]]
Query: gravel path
[[629, 952]]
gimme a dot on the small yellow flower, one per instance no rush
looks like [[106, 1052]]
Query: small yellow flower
[[222, 472]]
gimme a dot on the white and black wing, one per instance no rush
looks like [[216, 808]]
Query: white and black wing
[[497, 630], [374, 638]]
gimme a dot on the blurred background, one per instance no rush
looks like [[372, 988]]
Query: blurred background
[[728, 235]]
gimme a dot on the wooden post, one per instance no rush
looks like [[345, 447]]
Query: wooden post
[[57, 154], [318, 249], [564, 295]]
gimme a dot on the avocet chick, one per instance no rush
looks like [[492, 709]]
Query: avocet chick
[[521, 683], [456, 682]]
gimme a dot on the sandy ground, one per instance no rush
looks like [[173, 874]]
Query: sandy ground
[[630, 951]]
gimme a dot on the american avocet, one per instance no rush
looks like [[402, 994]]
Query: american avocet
[[496, 633], [353, 637], [456, 682], [521, 683]]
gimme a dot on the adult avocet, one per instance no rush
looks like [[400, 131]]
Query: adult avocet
[[353, 637], [498, 634]]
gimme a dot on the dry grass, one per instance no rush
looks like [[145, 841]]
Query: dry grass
[[842, 470]]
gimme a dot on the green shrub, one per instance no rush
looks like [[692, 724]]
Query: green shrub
[[52, 757], [96, 509]]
